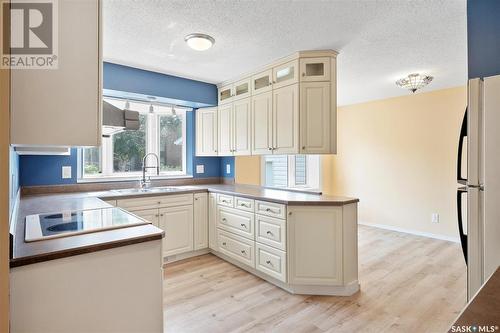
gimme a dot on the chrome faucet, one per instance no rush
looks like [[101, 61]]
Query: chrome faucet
[[144, 182]]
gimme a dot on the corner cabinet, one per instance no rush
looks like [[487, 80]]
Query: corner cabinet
[[289, 107], [62, 107]]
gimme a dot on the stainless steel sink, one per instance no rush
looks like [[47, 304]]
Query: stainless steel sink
[[147, 190]]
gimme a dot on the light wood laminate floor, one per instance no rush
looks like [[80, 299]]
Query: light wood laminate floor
[[408, 284]]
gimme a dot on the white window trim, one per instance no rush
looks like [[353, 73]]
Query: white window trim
[[312, 165], [152, 145]]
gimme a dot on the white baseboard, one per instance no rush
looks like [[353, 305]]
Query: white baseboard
[[412, 232]]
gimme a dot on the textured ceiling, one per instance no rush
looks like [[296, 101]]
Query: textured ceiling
[[378, 41]]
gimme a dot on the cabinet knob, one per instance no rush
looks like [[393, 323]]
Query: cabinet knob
[[195, 198], [161, 214], [224, 243], [303, 74], [159, 202], [270, 148], [303, 147], [224, 219]]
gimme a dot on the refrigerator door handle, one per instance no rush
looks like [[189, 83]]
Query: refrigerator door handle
[[463, 135], [463, 236]]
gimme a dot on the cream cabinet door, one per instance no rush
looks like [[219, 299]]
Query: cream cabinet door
[[225, 129], [62, 107], [286, 74], [212, 221], [262, 120], [286, 120], [177, 222], [315, 69], [242, 127], [225, 94], [150, 215], [315, 254], [206, 132], [242, 88], [315, 118], [262, 82], [200, 221]]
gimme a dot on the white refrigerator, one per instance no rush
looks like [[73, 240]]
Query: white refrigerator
[[481, 234]]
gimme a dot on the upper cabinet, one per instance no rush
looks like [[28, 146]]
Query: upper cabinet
[[206, 132], [62, 107], [288, 107]]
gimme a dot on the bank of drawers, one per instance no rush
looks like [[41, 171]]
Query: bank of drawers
[[253, 232]]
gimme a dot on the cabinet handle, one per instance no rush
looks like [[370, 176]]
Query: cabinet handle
[[224, 243], [243, 251], [243, 225], [161, 214], [269, 262], [224, 219], [303, 74], [271, 210], [303, 147], [244, 205], [269, 233], [270, 148], [159, 202]]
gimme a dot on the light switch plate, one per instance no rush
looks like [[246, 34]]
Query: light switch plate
[[66, 172], [228, 168], [200, 168]]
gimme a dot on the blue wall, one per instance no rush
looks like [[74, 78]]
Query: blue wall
[[483, 37], [122, 81]]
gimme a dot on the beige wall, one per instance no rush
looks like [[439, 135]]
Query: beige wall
[[398, 156], [4, 199]]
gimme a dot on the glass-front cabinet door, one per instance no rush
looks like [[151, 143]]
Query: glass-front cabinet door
[[315, 69], [262, 82], [242, 88], [285, 74], [225, 94]]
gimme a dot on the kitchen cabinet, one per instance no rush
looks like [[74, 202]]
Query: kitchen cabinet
[[178, 225], [212, 221], [286, 74], [200, 221], [242, 124], [235, 128], [293, 109], [58, 107], [315, 69], [225, 128], [262, 123], [206, 132], [262, 82], [315, 118], [286, 120]]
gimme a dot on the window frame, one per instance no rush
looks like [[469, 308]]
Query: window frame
[[313, 163], [152, 145]]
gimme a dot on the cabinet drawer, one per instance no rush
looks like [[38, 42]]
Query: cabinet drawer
[[270, 209], [270, 261], [236, 247], [244, 204], [270, 231], [225, 200], [156, 202], [235, 221]]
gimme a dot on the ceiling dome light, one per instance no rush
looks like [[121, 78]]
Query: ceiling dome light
[[199, 42], [413, 82]]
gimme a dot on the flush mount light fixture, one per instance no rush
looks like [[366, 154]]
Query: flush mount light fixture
[[413, 82], [199, 42]]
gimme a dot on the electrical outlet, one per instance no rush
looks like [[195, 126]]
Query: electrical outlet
[[66, 172], [200, 168], [228, 169], [435, 218]]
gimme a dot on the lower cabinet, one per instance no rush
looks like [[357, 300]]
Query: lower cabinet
[[270, 261], [236, 247], [178, 225], [212, 221], [200, 221]]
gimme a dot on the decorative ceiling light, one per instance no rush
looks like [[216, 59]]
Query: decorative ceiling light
[[199, 42], [151, 108], [413, 82]]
